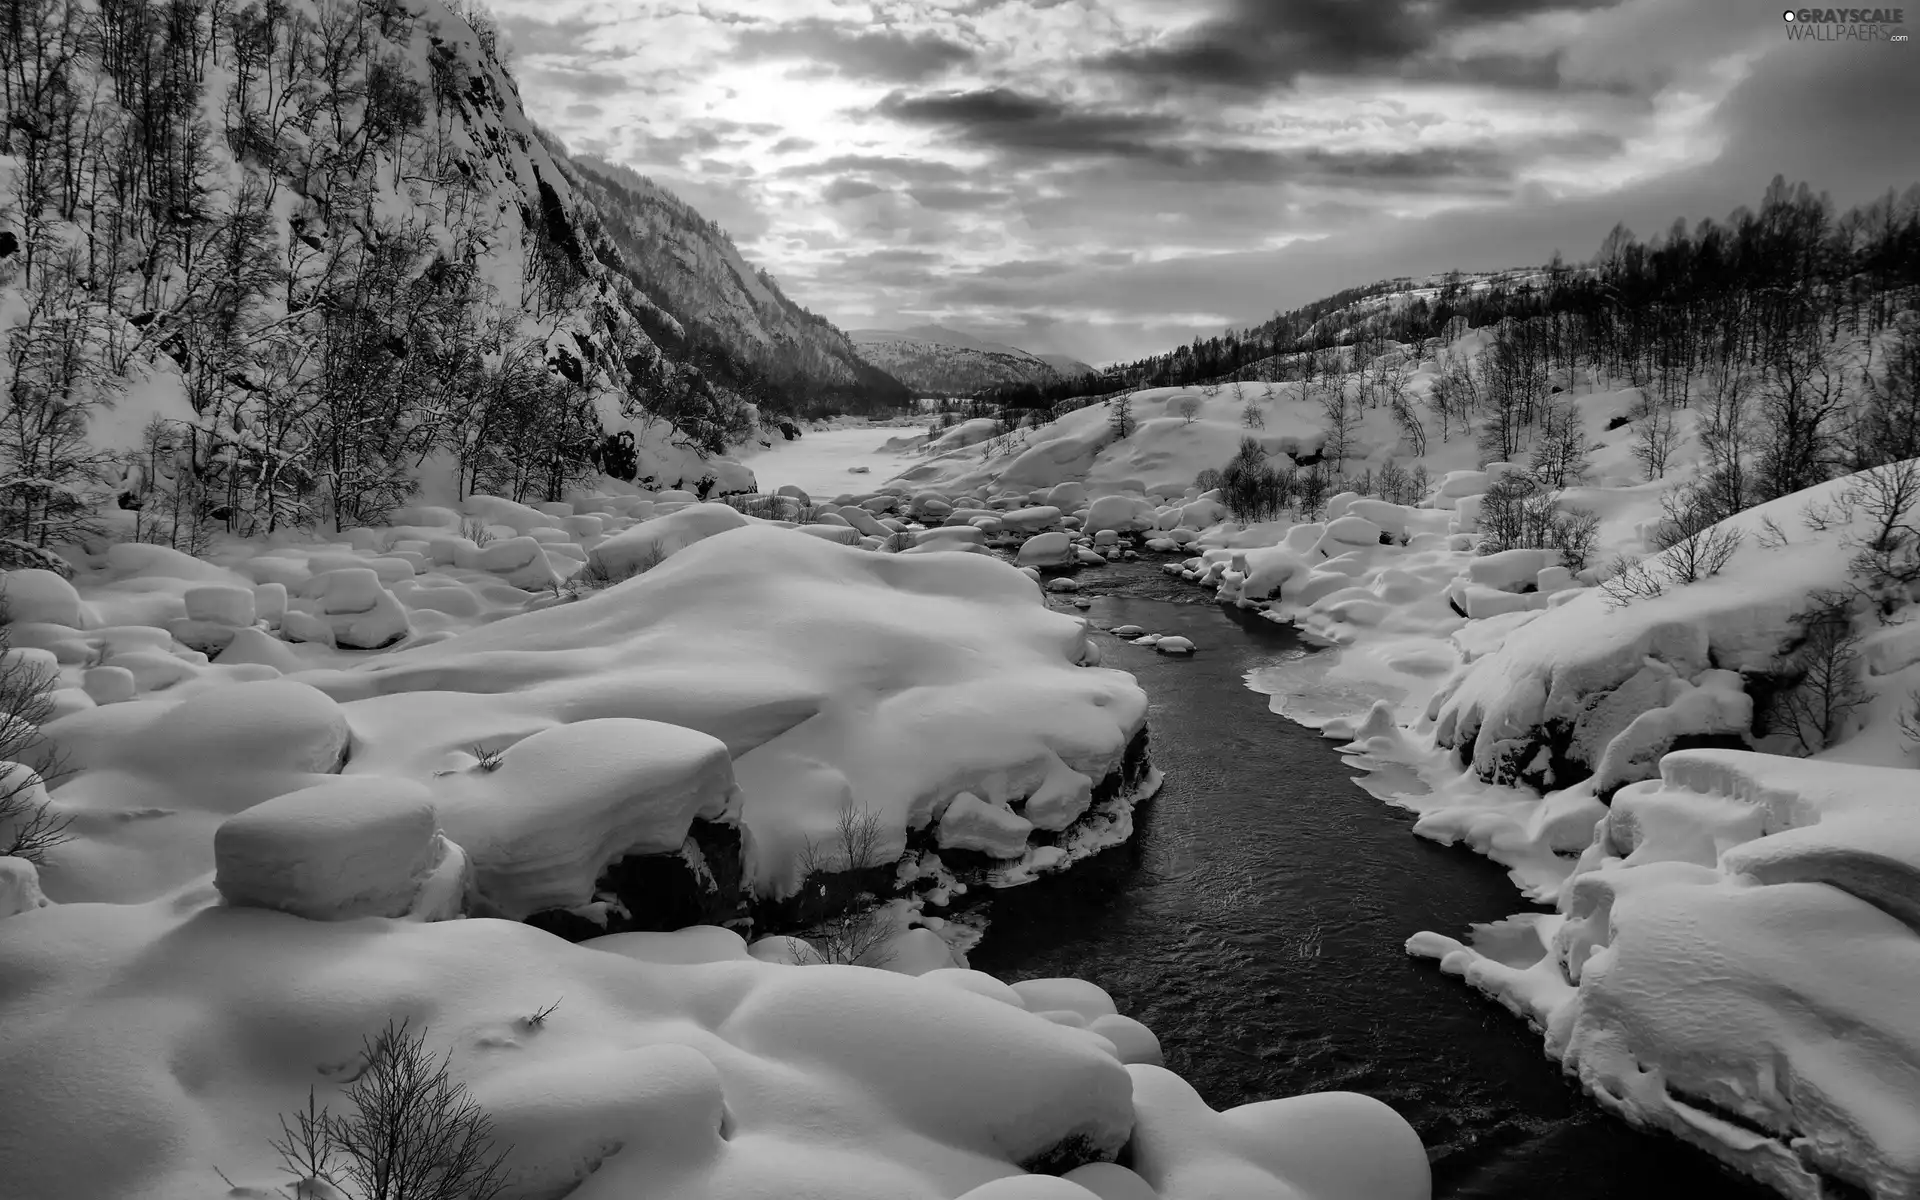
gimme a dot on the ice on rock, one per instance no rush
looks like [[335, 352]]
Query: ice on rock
[[353, 847], [970, 823], [566, 802]]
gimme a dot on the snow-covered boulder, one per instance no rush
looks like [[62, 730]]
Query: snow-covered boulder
[[19, 887], [970, 823], [640, 547], [1053, 549], [33, 595], [1031, 519], [362, 846], [1117, 514], [544, 823]]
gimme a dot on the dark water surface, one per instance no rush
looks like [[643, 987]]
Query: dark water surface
[[1256, 924]]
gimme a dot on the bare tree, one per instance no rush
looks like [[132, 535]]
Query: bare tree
[[1730, 439], [1656, 436], [414, 1132], [1560, 452], [1189, 408], [1826, 669]]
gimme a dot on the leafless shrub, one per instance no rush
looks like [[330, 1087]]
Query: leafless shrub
[[1629, 580], [29, 826], [414, 1133], [487, 760], [858, 937], [1826, 669], [1701, 554], [476, 531], [1189, 408], [1696, 544], [1821, 518], [1772, 537], [1886, 566], [1910, 721], [860, 933], [538, 1018]]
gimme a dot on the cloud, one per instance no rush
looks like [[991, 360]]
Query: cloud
[[896, 166], [884, 54], [905, 161], [845, 188], [1012, 120], [957, 199], [1263, 44]]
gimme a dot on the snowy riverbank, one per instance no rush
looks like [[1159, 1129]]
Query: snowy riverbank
[[285, 768]]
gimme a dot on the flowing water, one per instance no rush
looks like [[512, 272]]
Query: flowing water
[[1256, 924]]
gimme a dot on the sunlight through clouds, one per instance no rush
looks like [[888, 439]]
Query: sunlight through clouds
[[1060, 131]]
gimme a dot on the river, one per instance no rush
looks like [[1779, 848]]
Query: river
[[1256, 924], [1256, 920]]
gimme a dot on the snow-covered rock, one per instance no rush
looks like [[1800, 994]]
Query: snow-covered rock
[[354, 847], [970, 823]]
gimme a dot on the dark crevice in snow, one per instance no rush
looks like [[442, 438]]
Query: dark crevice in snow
[[700, 884], [1070, 1152], [703, 882]]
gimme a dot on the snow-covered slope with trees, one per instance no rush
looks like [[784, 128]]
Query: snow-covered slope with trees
[[727, 316], [935, 361], [286, 264]]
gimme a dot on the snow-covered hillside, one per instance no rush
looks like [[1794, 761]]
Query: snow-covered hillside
[[692, 268], [934, 361], [361, 273]]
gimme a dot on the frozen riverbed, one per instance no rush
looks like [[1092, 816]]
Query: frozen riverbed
[[822, 462]]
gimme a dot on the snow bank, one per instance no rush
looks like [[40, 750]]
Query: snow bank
[[833, 675], [1733, 962], [1606, 688], [707, 1073]]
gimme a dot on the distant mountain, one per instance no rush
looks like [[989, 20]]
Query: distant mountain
[[714, 308], [1066, 364], [936, 361]]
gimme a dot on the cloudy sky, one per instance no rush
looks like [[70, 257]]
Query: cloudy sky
[[1104, 178]]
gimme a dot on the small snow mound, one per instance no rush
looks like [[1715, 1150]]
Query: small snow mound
[[19, 887], [1174, 645]]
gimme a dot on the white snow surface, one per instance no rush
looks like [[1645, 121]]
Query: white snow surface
[[275, 838]]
